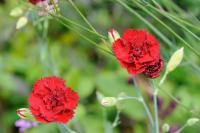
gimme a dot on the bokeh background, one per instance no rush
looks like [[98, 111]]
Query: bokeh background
[[33, 52]]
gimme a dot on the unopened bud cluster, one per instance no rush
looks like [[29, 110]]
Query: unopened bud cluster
[[47, 6]]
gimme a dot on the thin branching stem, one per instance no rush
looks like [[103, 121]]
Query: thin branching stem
[[80, 26], [182, 128], [139, 93], [87, 22], [155, 95], [171, 15], [167, 27], [174, 20], [64, 129], [83, 36], [117, 118], [152, 27]]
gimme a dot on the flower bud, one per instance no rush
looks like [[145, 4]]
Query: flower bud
[[192, 121], [24, 113], [100, 96], [113, 35], [22, 21], [175, 60], [16, 12], [109, 101], [165, 128]]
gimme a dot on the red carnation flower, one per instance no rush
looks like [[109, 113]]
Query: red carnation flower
[[138, 52], [52, 101], [34, 2]]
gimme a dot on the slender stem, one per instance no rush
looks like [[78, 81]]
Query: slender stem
[[117, 117], [80, 26], [182, 128], [107, 127], [155, 94], [147, 111], [163, 78], [87, 22], [156, 113], [186, 108], [174, 20], [175, 99], [167, 27], [128, 97], [158, 5], [83, 17], [139, 93], [64, 129], [83, 36]]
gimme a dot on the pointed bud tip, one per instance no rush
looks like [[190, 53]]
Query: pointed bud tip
[[22, 21], [100, 96], [175, 60], [113, 35], [25, 113], [22, 112], [192, 121]]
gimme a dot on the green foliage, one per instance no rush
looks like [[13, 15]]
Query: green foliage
[[76, 48]]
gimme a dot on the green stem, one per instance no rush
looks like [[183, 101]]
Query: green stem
[[174, 20], [83, 36], [158, 5], [156, 113], [127, 98], [87, 22], [139, 93], [182, 128], [155, 94], [107, 126], [167, 27], [64, 129], [163, 78], [175, 99], [80, 13], [80, 26], [152, 27], [117, 117], [166, 14]]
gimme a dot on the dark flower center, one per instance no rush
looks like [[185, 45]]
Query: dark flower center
[[53, 99]]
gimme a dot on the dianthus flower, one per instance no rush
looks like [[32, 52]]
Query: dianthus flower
[[52, 101], [138, 52]]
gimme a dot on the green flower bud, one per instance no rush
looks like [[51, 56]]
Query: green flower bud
[[192, 121], [175, 60], [16, 12], [24, 113], [109, 101], [22, 21], [165, 128]]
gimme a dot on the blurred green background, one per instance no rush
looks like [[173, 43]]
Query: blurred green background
[[28, 54]]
